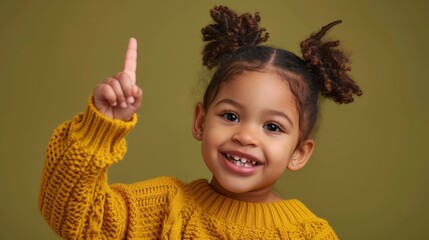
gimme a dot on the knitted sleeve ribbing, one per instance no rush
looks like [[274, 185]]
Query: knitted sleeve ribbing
[[74, 196]]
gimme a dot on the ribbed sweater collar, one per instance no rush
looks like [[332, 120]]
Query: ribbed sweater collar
[[248, 213]]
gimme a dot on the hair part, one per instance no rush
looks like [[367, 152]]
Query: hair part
[[281, 62]]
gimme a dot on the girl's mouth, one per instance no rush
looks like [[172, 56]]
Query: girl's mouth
[[241, 161]]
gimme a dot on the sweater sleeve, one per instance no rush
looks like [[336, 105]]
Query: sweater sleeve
[[74, 197]]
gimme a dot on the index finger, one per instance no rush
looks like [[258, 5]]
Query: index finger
[[130, 63]]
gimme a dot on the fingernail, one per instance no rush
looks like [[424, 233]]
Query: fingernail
[[130, 100], [114, 104], [123, 104]]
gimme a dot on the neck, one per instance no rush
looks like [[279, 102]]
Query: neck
[[261, 195]]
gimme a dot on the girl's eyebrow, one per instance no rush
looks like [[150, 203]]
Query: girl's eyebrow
[[230, 101], [271, 111]]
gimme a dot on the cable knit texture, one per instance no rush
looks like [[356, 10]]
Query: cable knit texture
[[77, 202]]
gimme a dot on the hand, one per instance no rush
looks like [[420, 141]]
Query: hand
[[119, 97]]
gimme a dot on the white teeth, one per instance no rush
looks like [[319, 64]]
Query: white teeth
[[241, 161], [238, 163]]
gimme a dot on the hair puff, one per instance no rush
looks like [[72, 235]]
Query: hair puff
[[229, 33], [330, 64]]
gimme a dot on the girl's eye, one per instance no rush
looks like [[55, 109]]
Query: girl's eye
[[230, 117], [272, 127]]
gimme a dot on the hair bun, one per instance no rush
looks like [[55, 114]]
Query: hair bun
[[229, 33], [331, 65]]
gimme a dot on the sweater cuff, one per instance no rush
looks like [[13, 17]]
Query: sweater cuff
[[98, 133]]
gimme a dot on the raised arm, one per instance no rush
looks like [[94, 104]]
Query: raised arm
[[75, 198]]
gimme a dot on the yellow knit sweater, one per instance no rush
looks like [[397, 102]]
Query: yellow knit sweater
[[77, 202]]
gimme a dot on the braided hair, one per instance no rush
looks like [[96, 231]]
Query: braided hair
[[232, 48]]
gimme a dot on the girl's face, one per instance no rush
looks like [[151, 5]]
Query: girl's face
[[250, 135]]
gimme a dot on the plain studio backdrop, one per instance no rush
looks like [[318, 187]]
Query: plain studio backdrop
[[368, 175]]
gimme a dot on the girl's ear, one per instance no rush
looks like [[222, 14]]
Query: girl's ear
[[198, 125], [301, 155]]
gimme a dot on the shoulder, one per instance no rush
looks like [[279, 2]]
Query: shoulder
[[159, 187], [314, 228], [158, 184], [309, 224], [162, 181]]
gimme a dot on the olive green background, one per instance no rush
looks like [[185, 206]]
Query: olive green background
[[368, 175]]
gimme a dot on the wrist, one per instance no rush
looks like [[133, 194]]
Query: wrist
[[97, 132]]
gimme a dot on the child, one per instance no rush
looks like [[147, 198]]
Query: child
[[254, 123]]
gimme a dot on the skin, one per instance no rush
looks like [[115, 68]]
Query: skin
[[252, 116], [119, 97]]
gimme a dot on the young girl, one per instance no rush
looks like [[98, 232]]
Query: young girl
[[254, 123]]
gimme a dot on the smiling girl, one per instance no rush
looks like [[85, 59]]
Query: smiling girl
[[254, 123]]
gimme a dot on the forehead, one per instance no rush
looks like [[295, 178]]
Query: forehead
[[259, 90]]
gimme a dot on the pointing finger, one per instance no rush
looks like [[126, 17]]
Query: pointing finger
[[130, 63]]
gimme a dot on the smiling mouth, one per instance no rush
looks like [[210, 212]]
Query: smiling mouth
[[242, 162]]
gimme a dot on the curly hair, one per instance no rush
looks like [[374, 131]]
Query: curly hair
[[229, 33], [331, 64], [233, 48]]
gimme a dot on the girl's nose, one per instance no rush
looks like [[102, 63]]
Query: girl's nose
[[245, 136]]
